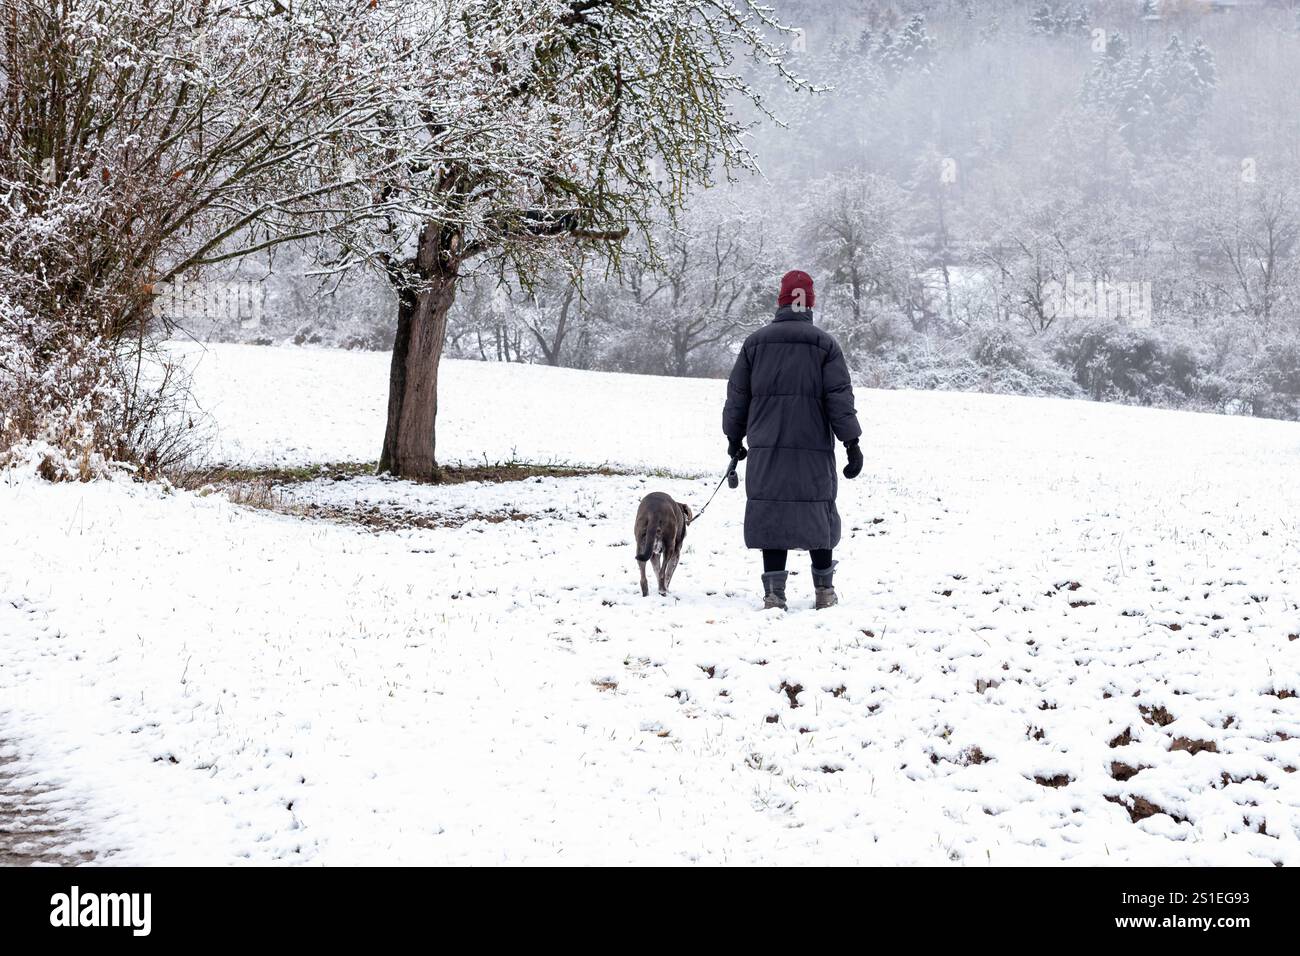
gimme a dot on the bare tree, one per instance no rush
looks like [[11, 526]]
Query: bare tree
[[550, 319], [714, 271], [1253, 233], [853, 236]]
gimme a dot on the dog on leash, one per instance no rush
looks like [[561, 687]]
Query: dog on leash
[[660, 530]]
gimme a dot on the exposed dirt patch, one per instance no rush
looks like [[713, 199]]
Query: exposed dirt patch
[[1194, 747], [1060, 780], [222, 476], [31, 833], [1156, 715], [493, 472], [1227, 779], [1260, 827], [376, 518], [1141, 808], [792, 691], [263, 488], [1122, 771], [1122, 740]]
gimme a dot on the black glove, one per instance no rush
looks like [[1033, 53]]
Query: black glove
[[854, 467], [736, 450]]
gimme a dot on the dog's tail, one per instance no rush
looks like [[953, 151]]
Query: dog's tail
[[646, 545]]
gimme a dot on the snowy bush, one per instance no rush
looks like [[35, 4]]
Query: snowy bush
[[1279, 366], [81, 387], [1014, 365], [79, 405], [61, 386], [1116, 362], [991, 359], [1264, 382], [58, 402]]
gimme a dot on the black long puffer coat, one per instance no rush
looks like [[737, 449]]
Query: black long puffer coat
[[788, 392]]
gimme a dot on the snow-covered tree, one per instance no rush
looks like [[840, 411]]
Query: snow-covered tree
[[141, 140], [1071, 19], [1155, 101], [563, 123]]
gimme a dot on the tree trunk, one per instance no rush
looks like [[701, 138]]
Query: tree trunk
[[409, 440]]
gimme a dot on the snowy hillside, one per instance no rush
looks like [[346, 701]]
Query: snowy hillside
[[1068, 632]]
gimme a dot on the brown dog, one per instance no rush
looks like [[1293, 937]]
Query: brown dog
[[660, 530]]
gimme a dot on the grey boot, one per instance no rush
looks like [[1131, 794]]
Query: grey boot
[[774, 589], [823, 581]]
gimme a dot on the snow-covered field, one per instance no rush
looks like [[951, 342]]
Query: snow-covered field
[[1038, 598]]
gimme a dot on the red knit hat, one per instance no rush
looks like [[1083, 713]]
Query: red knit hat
[[796, 290]]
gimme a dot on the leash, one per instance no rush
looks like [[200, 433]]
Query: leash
[[730, 478]]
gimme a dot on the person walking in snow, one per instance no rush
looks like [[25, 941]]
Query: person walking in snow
[[789, 393]]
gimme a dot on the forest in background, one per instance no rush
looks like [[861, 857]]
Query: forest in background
[[1093, 200]]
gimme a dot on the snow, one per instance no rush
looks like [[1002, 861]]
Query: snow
[[1022, 582]]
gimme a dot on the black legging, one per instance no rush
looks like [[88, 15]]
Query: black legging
[[774, 558]]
